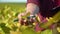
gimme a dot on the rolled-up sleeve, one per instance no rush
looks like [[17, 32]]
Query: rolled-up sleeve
[[37, 2]]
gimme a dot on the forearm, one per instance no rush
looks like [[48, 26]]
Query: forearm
[[32, 8]]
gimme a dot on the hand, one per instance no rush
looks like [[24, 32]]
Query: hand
[[20, 16]]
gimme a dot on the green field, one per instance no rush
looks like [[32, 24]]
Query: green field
[[13, 5], [8, 13]]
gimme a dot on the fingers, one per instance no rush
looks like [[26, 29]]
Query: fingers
[[20, 15]]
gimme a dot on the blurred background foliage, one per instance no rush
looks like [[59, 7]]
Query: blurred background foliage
[[8, 13]]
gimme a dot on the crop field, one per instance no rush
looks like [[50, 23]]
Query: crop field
[[8, 13]]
